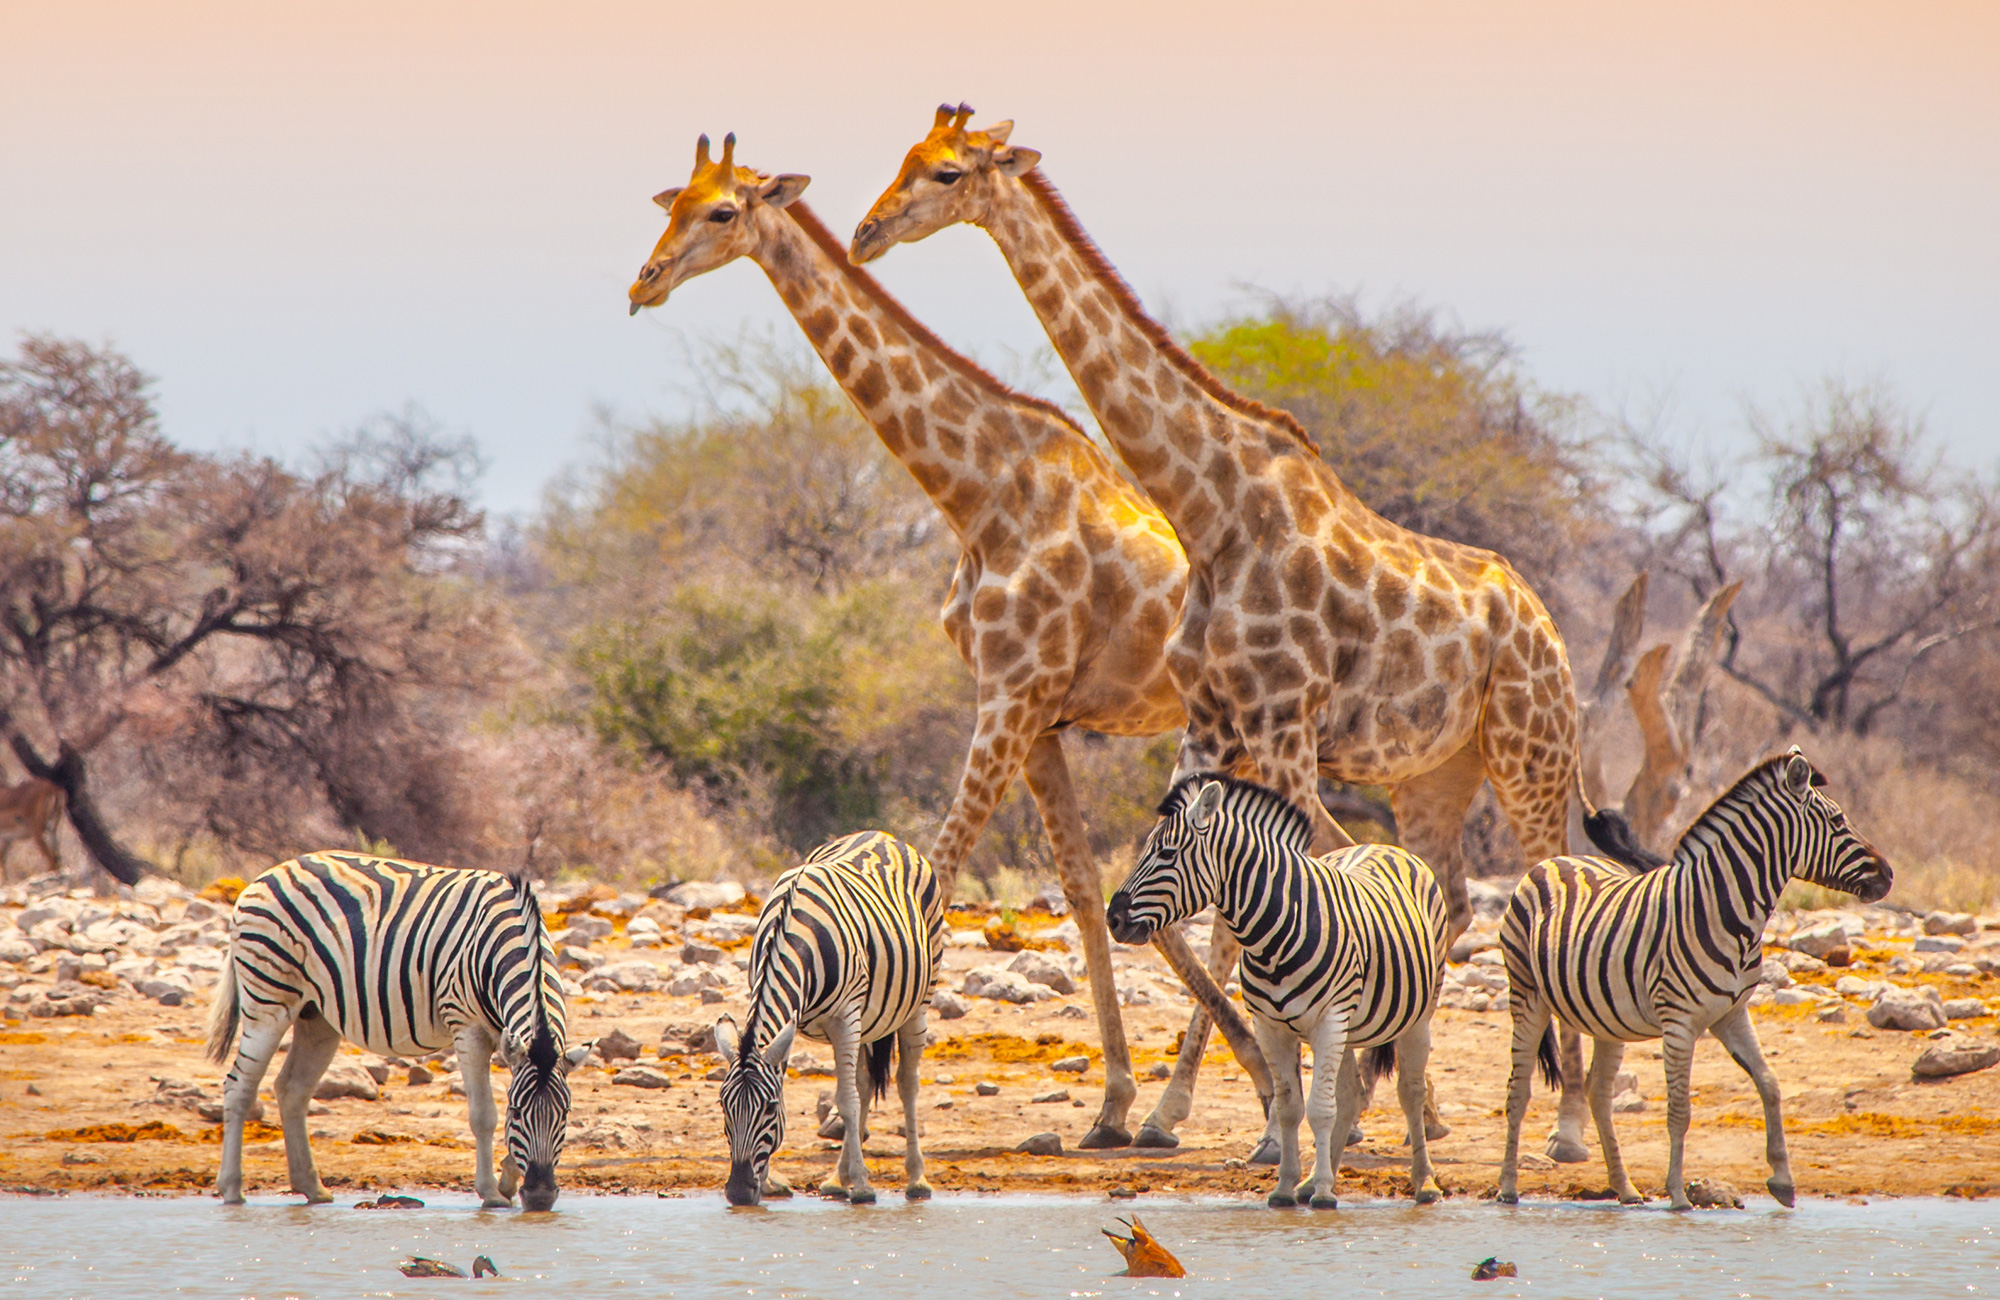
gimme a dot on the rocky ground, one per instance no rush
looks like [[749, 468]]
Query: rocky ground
[[1876, 1021]]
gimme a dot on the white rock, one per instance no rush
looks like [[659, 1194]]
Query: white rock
[[1003, 986], [1039, 968], [1773, 974], [1956, 1054], [16, 948], [1821, 939], [1963, 923], [1965, 1009], [631, 976], [706, 893], [346, 1079], [1907, 1009], [639, 925], [641, 1076], [948, 1005], [588, 929], [1492, 958]]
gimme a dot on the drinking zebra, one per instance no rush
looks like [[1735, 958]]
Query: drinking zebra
[[846, 951], [403, 959], [1345, 952], [1672, 953]]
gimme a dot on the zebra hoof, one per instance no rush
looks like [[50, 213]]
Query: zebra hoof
[[861, 1196], [1281, 1201], [918, 1191], [1265, 1154], [1328, 1202], [1103, 1137], [1566, 1151], [1153, 1137], [1782, 1191]]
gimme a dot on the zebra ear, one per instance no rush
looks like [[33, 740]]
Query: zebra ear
[[575, 1055], [725, 1039], [780, 1049], [1205, 805], [1798, 773]]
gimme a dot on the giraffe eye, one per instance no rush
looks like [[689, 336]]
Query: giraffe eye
[[722, 216], [947, 177]]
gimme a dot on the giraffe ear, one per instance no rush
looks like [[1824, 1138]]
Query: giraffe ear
[[779, 191], [997, 133], [665, 198], [1013, 160]]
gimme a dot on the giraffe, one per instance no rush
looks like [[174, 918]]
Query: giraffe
[[1316, 637], [1067, 579]]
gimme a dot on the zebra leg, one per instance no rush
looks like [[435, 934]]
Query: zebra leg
[[1178, 1099], [254, 1050], [1049, 781], [1531, 1021], [475, 1071], [1565, 1143], [1281, 1050], [1740, 1037], [909, 1060], [1335, 1090], [852, 1171], [314, 1043], [1413, 1055], [1605, 1059], [1677, 1053]]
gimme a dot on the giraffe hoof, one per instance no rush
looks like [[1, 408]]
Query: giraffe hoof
[[1508, 1198], [1429, 1194], [1566, 1150], [1436, 1130], [834, 1129], [832, 1191], [1265, 1154], [1355, 1137], [1103, 1137], [1782, 1191], [1153, 1137], [1631, 1197]]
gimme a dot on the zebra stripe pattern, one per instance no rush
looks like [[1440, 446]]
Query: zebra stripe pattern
[[846, 951], [1672, 953], [1345, 952], [403, 959]]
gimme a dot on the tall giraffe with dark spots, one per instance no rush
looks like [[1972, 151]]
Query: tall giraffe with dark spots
[[1316, 637], [1068, 579]]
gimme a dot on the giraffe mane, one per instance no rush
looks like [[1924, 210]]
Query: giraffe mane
[[1093, 257], [964, 366]]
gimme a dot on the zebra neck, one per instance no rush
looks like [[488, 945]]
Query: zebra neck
[[1245, 882], [773, 1005], [1747, 857]]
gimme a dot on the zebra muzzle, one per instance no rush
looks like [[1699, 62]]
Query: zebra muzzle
[[744, 1186], [1119, 920]]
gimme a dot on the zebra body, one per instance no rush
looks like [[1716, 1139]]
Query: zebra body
[[846, 951], [1344, 952], [1673, 953], [403, 959]]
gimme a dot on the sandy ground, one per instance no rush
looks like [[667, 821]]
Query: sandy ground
[[1857, 1121]]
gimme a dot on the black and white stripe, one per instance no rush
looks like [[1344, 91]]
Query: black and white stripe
[[403, 959], [1673, 952], [1345, 952], [846, 951]]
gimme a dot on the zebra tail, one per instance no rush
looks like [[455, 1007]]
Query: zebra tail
[[1379, 1062], [224, 1015], [880, 1053], [1552, 1073]]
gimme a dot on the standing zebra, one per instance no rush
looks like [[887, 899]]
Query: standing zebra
[[1344, 952], [403, 959], [846, 951], [1672, 953]]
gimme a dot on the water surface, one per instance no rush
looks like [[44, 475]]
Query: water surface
[[997, 1246]]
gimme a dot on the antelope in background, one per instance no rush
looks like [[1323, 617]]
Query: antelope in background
[[32, 810]]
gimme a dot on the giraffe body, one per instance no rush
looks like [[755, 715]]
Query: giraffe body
[[1068, 578], [1316, 637]]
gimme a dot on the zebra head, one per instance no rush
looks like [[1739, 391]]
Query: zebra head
[[538, 1096], [1829, 852], [753, 1105], [1176, 873]]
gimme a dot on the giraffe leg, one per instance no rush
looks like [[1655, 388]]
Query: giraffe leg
[[1430, 813], [1740, 1037], [1178, 1099], [254, 1050], [1049, 781], [314, 1043], [991, 763]]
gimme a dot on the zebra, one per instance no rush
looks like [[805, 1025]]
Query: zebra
[[1671, 953], [846, 951], [1345, 952], [403, 959]]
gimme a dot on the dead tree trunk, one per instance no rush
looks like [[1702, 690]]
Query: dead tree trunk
[[1669, 714]]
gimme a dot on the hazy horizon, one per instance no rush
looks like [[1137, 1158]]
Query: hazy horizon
[[295, 220]]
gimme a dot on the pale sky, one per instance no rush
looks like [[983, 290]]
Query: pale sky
[[297, 216]]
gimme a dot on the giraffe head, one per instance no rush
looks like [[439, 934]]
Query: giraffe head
[[717, 217], [947, 178]]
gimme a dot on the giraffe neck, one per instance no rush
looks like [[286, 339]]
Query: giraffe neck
[[932, 408], [1169, 419]]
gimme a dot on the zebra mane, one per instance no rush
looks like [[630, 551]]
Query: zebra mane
[[542, 1044], [1742, 791], [763, 941], [1293, 823]]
